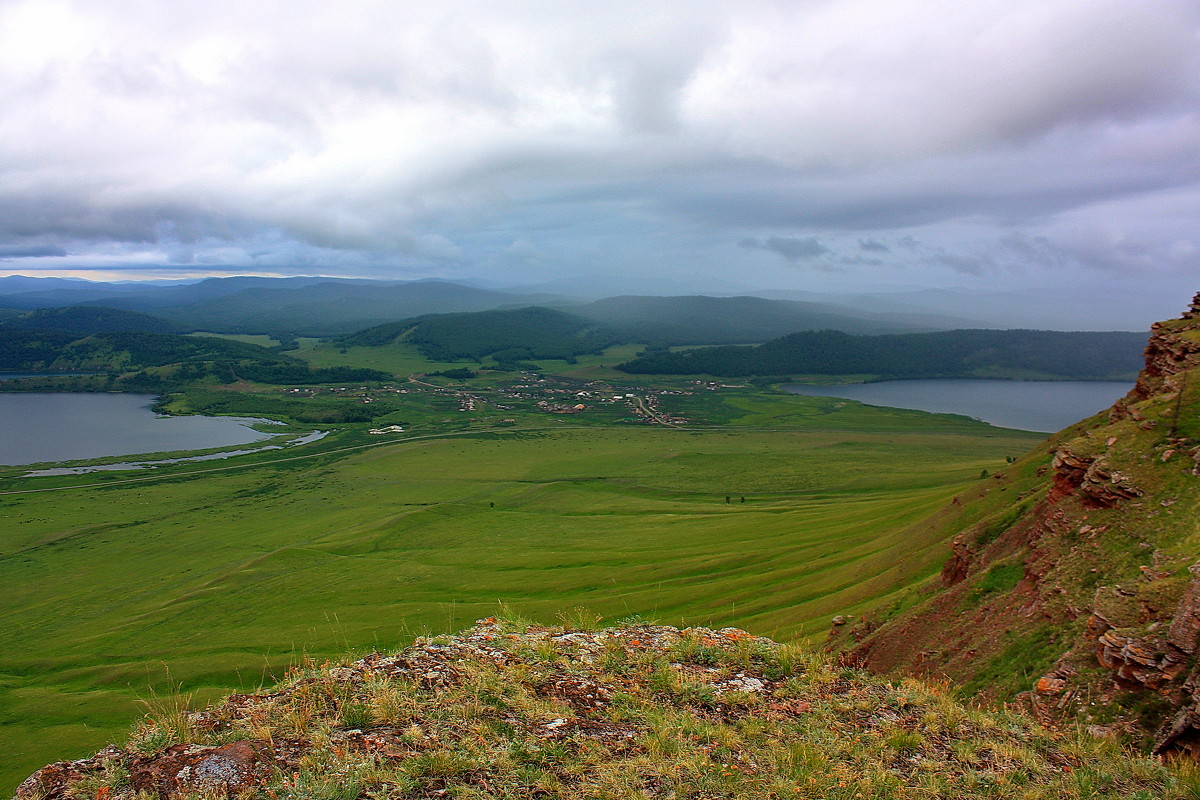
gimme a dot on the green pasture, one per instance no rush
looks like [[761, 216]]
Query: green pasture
[[399, 359], [405, 359], [260, 339], [221, 581]]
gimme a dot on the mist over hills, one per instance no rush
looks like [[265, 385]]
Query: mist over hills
[[698, 319], [324, 306], [292, 306]]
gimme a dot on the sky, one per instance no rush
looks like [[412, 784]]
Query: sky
[[829, 145]]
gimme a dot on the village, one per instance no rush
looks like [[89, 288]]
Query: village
[[531, 392]]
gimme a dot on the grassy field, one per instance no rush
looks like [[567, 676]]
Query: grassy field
[[400, 359], [117, 592], [260, 339]]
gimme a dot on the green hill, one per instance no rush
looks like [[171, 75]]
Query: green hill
[[128, 350], [507, 335], [31, 351], [941, 354], [190, 359], [87, 320], [543, 333]]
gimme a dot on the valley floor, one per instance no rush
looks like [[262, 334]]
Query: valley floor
[[119, 593]]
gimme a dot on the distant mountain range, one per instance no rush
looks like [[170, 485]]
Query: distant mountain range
[[288, 306], [311, 306], [324, 306]]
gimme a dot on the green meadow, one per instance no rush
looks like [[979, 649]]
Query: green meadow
[[119, 593]]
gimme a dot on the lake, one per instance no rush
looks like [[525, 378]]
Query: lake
[[1045, 406], [59, 426]]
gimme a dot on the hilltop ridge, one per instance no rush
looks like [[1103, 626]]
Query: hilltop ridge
[[1074, 585], [512, 710]]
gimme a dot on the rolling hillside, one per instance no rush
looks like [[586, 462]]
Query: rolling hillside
[[506, 335], [1073, 584], [242, 572], [141, 361]]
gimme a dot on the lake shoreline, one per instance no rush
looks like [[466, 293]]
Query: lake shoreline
[[54, 427], [1039, 406]]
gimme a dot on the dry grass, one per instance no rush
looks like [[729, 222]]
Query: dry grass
[[508, 710]]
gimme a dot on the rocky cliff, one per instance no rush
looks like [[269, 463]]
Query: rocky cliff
[[640, 711], [1073, 585]]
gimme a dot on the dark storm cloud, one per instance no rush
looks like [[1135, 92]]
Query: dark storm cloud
[[791, 248], [31, 251]]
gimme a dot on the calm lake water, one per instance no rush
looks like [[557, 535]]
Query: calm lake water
[[1046, 406], [58, 426]]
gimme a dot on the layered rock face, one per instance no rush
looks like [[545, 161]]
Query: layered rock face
[[1170, 355], [1072, 585]]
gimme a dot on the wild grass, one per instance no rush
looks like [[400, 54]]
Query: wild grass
[[494, 728], [229, 579]]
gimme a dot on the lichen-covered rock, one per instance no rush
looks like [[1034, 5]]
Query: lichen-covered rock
[[229, 769], [56, 781]]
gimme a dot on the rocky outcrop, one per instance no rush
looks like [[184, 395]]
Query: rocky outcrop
[[1091, 479], [183, 769], [242, 768], [55, 781], [1184, 631], [959, 564], [647, 711], [1138, 663], [1170, 354], [1102, 596]]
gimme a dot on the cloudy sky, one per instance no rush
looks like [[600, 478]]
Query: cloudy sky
[[823, 144]]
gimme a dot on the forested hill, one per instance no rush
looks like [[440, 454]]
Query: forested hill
[[187, 357], [86, 320], [535, 332], [943, 354], [505, 334]]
